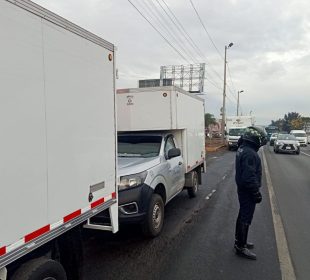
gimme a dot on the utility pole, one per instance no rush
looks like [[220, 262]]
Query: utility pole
[[238, 102], [224, 95]]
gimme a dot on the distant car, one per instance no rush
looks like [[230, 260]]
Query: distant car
[[301, 136], [216, 134], [273, 137], [286, 143]]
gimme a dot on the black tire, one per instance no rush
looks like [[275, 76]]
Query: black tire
[[39, 269], [298, 152], [154, 220], [192, 191], [229, 148], [72, 262], [275, 151]]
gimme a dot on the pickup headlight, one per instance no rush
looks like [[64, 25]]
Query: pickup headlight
[[297, 144], [131, 181]]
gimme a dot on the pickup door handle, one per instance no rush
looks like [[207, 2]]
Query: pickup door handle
[[180, 162]]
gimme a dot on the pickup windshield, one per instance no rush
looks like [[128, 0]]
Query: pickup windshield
[[139, 146], [236, 131]]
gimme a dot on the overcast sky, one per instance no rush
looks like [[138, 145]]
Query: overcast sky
[[269, 59]]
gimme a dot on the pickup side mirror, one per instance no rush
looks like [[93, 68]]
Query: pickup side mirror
[[174, 152]]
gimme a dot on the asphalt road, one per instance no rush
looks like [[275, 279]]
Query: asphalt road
[[197, 240], [290, 176]]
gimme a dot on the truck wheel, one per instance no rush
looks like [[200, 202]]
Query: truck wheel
[[39, 269], [154, 221], [192, 191]]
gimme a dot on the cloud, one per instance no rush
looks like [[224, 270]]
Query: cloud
[[269, 60]]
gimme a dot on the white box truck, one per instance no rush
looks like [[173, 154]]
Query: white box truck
[[235, 126], [58, 140], [161, 151]]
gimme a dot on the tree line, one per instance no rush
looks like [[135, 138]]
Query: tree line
[[291, 120]]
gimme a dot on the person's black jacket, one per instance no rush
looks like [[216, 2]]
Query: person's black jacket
[[248, 168]]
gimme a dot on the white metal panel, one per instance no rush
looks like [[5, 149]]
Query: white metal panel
[[145, 110], [190, 117], [23, 170], [57, 20], [80, 120]]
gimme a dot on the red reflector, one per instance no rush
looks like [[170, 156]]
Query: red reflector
[[2, 251], [37, 233], [96, 203], [72, 216], [114, 195]]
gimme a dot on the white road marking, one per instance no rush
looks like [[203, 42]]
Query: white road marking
[[214, 157], [286, 266], [210, 194], [304, 154], [224, 177]]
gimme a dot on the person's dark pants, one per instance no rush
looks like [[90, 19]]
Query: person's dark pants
[[245, 216], [247, 207]]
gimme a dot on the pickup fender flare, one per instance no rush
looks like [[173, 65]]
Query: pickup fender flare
[[159, 180]]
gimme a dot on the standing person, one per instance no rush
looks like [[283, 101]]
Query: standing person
[[248, 179]]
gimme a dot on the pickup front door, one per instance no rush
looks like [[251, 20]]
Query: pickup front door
[[175, 176]]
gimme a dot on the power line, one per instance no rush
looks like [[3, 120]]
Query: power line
[[213, 83], [194, 45], [178, 29], [162, 21], [181, 28], [166, 40], [152, 15], [209, 36]]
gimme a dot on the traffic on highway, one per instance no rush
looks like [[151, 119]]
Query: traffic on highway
[[197, 242], [127, 153], [201, 235]]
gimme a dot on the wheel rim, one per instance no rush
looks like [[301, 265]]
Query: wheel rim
[[157, 216]]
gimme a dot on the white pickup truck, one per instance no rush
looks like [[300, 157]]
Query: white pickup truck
[[161, 151]]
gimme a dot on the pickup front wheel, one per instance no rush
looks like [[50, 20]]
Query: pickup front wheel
[[154, 220]]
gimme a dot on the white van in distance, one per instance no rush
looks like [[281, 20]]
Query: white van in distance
[[301, 136]]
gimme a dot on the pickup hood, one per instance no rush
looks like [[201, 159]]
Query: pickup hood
[[128, 166]]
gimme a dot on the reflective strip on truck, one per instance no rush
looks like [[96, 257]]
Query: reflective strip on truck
[[42, 235]]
